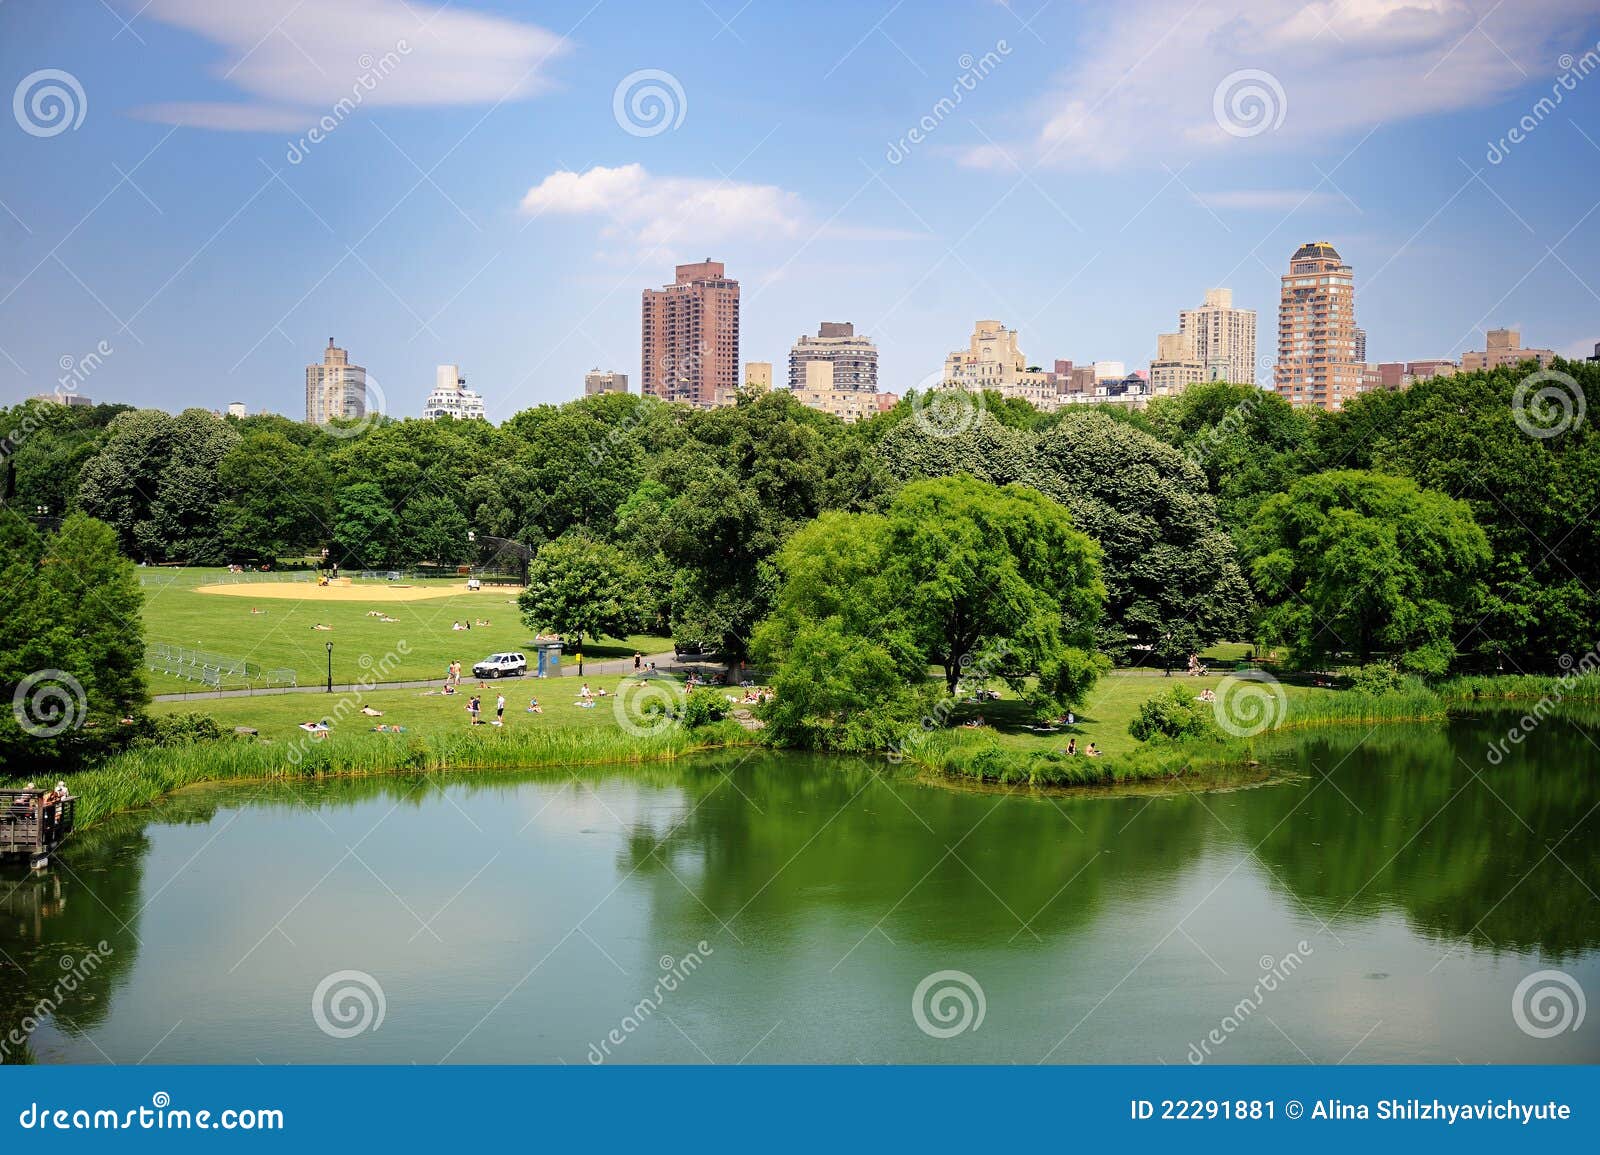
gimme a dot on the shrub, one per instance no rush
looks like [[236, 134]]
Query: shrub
[[703, 707], [1173, 715], [1376, 678]]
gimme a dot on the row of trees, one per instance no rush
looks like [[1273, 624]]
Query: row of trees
[[1423, 526]]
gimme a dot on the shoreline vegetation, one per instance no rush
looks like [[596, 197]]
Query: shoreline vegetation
[[968, 754], [138, 778]]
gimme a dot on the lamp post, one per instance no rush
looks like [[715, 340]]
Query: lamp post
[[330, 667]]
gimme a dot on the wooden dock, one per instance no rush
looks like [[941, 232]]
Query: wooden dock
[[30, 827]]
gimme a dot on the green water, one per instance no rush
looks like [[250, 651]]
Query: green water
[[1395, 886]]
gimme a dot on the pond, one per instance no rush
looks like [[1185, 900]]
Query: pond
[[1387, 896]]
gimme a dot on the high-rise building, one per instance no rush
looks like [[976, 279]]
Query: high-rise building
[[758, 375], [1317, 361], [335, 388], [852, 360], [604, 381], [690, 347], [1361, 345], [992, 360], [1504, 347], [1175, 367], [451, 397], [1223, 338]]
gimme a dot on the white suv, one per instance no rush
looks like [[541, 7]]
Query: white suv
[[501, 666]]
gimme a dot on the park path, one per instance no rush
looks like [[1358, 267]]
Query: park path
[[569, 669]]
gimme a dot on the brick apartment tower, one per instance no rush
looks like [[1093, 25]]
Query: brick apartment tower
[[1317, 335], [690, 350]]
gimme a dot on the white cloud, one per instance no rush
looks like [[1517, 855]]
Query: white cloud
[[649, 210], [1146, 90], [292, 55], [1269, 199]]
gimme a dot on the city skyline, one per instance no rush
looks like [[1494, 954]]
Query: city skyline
[[217, 183]]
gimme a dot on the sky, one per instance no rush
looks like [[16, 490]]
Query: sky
[[195, 195]]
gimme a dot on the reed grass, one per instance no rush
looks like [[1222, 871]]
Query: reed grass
[[139, 777]]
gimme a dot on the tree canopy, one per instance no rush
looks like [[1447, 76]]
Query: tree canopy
[[1359, 563]]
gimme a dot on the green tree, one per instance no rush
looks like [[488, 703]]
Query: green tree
[[1250, 443], [279, 497], [1173, 580], [980, 580], [1359, 563], [71, 644], [580, 587], [1534, 496], [366, 530], [434, 529], [156, 482], [742, 480]]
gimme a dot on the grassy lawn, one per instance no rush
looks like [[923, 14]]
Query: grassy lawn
[[1104, 717], [281, 633], [277, 717]]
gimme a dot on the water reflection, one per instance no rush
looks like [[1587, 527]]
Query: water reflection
[[841, 881]]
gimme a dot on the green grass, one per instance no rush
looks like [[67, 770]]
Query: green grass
[[438, 737], [282, 636], [277, 717], [1007, 751]]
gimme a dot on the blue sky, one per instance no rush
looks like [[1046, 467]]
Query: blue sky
[[485, 202]]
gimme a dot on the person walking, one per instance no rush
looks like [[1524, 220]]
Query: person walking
[[580, 663], [638, 659], [500, 710]]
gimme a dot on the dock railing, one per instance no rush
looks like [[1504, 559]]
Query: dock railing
[[29, 826]]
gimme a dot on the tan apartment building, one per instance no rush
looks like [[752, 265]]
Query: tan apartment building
[[758, 375], [854, 359], [1317, 334], [1504, 347], [690, 337], [1175, 366], [604, 381], [335, 388], [992, 360], [1223, 338]]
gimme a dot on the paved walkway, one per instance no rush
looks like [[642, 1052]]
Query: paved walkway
[[569, 669]]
